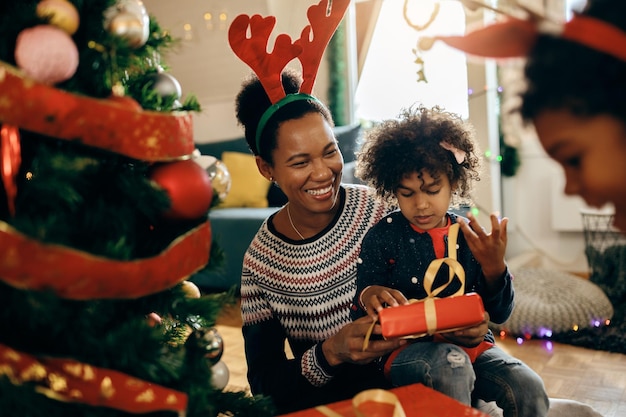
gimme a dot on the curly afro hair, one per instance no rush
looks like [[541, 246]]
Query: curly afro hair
[[399, 147]]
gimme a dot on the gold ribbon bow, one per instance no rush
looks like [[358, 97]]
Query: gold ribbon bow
[[371, 395]]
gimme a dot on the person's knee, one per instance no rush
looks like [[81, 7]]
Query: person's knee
[[435, 365]]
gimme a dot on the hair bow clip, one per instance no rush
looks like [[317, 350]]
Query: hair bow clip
[[459, 155]]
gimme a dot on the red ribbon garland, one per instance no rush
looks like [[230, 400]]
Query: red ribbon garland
[[10, 150], [27, 263], [72, 381]]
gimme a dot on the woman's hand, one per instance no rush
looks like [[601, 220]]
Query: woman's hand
[[375, 296], [487, 248], [469, 336], [346, 346]]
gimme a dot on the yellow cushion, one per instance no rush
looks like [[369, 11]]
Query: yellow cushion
[[248, 187]]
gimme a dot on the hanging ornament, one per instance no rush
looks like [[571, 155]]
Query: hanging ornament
[[129, 20], [154, 319], [46, 53], [164, 84], [190, 289], [418, 50], [218, 174], [10, 163], [209, 342], [188, 187], [60, 13], [214, 345], [219, 375]]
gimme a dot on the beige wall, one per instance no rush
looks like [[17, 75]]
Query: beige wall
[[205, 65]]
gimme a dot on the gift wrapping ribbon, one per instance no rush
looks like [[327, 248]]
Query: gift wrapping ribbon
[[71, 381], [455, 269], [370, 395]]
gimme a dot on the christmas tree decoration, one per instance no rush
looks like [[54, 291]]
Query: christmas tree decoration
[[214, 345], [220, 375], [154, 319], [218, 174], [46, 53], [103, 223], [188, 187], [129, 20], [190, 289], [10, 160], [164, 85], [60, 13]]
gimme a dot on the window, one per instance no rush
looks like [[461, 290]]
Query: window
[[388, 80]]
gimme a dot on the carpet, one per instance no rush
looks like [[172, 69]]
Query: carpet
[[609, 273]]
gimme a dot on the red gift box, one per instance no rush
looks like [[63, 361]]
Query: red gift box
[[432, 315], [411, 400]]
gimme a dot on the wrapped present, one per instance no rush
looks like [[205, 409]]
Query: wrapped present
[[410, 400], [432, 315]]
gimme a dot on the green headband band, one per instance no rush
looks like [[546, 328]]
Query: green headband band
[[289, 98]]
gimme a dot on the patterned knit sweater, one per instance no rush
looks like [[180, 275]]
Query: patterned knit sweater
[[301, 291]]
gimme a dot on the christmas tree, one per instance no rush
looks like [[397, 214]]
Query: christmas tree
[[103, 217]]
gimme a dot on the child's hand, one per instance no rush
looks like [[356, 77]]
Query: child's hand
[[469, 336], [374, 296], [487, 248]]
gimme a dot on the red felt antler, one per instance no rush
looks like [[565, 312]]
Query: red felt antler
[[309, 49], [253, 51], [506, 39], [324, 19]]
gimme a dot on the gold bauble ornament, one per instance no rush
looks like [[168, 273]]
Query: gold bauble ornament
[[60, 13], [190, 289]]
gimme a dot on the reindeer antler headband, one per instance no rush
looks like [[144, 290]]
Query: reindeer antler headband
[[515, 37], [324, 18]]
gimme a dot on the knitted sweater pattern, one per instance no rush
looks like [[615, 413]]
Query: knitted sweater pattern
[[308, 285]]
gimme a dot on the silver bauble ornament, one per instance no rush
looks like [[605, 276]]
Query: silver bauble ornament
[[165, 85], [135, 9], [129, 27], [218, 174], [220, 375]]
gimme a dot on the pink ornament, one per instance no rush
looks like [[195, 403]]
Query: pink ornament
[[188, 186], [154, 319], [47, 54]]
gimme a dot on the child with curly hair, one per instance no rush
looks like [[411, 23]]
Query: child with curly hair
[[575, 84], [425, 162]]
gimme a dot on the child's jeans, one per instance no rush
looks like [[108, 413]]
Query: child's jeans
[[494, 376]]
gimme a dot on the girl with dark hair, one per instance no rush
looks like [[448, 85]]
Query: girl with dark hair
[[576, 84], [424, 163]]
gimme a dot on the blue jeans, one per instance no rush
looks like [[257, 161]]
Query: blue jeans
[[494, 376]]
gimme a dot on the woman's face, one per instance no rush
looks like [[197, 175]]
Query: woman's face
[[592, 152], [307, 163]]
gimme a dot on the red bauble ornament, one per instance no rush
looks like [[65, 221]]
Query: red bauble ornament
[[188, 186]]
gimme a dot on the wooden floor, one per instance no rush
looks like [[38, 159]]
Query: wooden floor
[[593, 377]]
